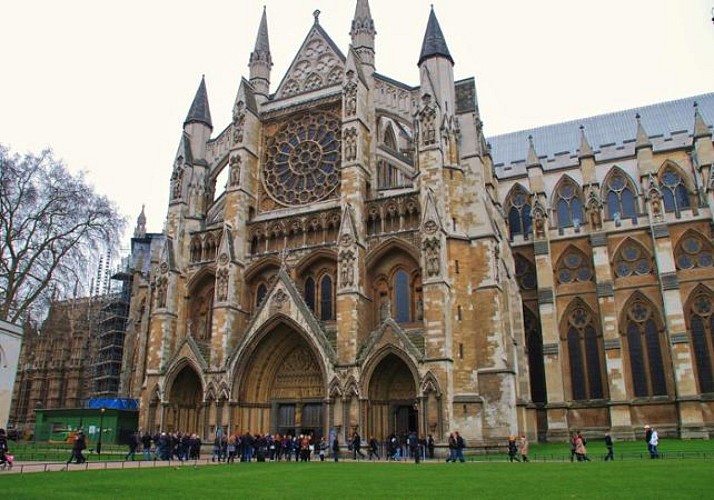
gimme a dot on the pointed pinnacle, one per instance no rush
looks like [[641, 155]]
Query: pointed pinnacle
[[643, 140], [532, 158], [434, 44], [199, 111], [585, 150], [700, 127]]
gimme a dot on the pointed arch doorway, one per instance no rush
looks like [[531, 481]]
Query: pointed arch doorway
[[184, 410], [281, 386], [392, 399]]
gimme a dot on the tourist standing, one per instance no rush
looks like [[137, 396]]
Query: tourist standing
[[653, 443], [523, 445], [336, 449], [513, 449], [608, 444], [430, 446]]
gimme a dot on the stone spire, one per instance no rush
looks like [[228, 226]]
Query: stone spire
[[200, 112], [140, 230], [434, 44], [585, 150], [363, 32], [700, 127], [260, 60], [643, 140]]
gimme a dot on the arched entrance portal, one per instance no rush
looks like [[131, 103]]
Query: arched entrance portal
[[185, 403], [392, 399], [282, 387]]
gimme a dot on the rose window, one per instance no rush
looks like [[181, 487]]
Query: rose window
[[302, 160]]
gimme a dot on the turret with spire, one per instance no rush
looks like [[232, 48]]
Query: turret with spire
[[437, 67], [260, 60], [198, 124], [362, 33], [140, 229]]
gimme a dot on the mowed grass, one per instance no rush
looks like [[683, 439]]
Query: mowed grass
[[669, 479]]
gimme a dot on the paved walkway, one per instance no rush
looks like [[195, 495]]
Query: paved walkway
[[26, 467]]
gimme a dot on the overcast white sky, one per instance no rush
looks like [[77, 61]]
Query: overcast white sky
[[108, 86]]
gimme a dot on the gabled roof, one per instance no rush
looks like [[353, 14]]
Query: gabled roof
[[314, 57], [612, 130]]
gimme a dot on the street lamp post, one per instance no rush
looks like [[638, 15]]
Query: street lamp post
[[101, 429]]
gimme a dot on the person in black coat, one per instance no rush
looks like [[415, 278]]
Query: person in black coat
[[357, 446], [336, 449], [608, 443], [79, 444], [430, 446]]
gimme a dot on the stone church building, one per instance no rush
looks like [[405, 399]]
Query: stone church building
[[351, 253]]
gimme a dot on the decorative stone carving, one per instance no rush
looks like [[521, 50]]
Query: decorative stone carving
[[177, 179], [427, 118], [222, 285], [594, 206], [280, 298], [347, 260], [432, 256], [350, 89], [162, 286], [539, 219], [351, 144], [654, 194], [234, 173], [238, 122]]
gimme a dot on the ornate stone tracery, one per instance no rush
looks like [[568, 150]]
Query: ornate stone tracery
[[302, 160]]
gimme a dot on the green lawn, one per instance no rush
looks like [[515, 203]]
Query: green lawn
[[669, 479]]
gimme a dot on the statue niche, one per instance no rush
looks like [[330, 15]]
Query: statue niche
[[200, 311]]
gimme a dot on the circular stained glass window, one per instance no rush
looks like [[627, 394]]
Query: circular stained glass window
[[302, 160], [643, 266], [623, 269], [630, 252], [692, 245], [670, 178], [617, 183], [704, 259], [565, 276], [573, 260], [684, 261]]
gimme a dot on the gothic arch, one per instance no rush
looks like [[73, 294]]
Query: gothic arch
[[257, 268], [278, 330], [306, 262], [388, 246], [693, 250], [176, 368], [574, 265], [643, 338], [699, 316], [374, 359], [334, 390], [686, 177], [567, 202], [430, 384], [518, 210], [584, 359], [677, 187], [620, 194], [631, 258]]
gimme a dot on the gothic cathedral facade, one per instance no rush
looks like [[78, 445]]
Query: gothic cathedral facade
[[352, 254]]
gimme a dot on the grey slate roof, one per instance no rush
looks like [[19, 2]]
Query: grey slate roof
[[611, 130], [434, 43], [200, 111]]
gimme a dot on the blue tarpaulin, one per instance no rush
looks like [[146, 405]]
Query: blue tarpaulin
[[113, 403]]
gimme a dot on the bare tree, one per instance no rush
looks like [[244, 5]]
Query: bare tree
[[52, 227]]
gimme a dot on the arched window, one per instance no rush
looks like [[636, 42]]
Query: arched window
[[568, 205], [310, 293], [632, 260], [645, 350], [584, 355], [401, 297], [326, 309], [620, 197], [674, 191], [701, 326], [536, 366], [260, 294], [390, 139], [525, 273], [519, 213], [574, 267], [692, 252]]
